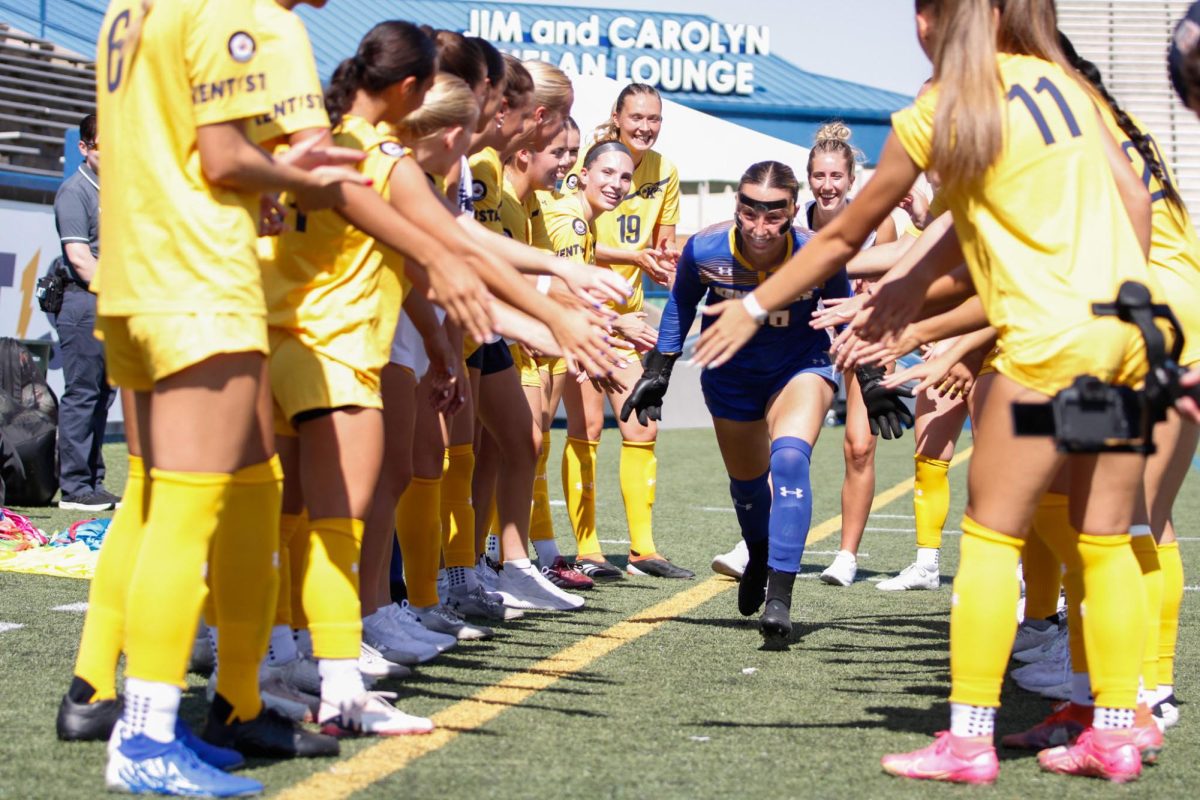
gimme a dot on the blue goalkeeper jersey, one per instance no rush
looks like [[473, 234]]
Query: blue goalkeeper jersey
[[712, 268]]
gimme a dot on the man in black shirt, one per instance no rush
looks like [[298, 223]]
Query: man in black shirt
[[83, 411]]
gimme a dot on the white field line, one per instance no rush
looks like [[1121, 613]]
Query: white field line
[[78, 608], [10, 626]]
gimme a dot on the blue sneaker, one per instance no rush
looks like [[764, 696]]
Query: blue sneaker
[[141, 765], [223, 758]]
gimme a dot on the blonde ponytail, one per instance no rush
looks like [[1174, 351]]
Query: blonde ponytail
[[551, 87]]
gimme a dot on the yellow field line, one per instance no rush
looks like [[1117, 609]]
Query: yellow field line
[[389, 756]]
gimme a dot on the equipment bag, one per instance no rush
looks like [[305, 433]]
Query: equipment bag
[[29, 424]]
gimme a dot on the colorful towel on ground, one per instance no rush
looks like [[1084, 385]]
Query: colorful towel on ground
[[70, 553]]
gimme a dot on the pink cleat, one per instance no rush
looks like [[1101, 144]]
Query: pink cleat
[[1146, 734], [1110, 754], [958, 759]]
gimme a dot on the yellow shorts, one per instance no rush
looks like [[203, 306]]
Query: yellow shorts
[[527, 366], [1107, 348], [304, 380], [552, 365], [1183, 296], [989, 362], [142, 349]]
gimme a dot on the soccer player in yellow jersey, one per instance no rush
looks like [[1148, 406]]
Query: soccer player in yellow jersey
[[1041, 245], [636, 237], [1175, 261], [182, 313], [526, 173]]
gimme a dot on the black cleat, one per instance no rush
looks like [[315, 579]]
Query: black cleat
[[775, 624], [752, 590], [87, 722], [600, 570], [657, 566], [269, 735]]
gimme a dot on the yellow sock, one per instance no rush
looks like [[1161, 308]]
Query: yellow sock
[[289, 524], [299, 546], [931, 499], [1042, 569], [541, 524], [166, 589], [1172, 599], [983, 618], [331, 587], [104, 625], [418, 530], [1114, 618], [1052, 521], [1146, 552], [579, 487], [458, 515], [639, 473], [243, 570]]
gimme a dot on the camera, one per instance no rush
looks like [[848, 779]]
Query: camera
[[1091, 416]]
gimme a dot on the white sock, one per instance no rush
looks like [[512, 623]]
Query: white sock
[[211, 633], [847, 554], [519, 564], [1107, 719], [547, 551], [282, 647], [303, 640], [1165, 690], [928, 557], [1081, 689], [340, 679], [151, 709], [1140, 530], [1145, 696], [460, 579], [492, 548], [968, 720]]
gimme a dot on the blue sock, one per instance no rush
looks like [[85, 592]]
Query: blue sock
[[791, 503], [752, 502]]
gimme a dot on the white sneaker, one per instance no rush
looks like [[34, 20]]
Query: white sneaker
[[370, 713], [1166, 713], [385, 635], [404, 616], [1033, 644], [441, 619], [479, 603], [373, 664], [532, 590], [733, 563], [842, 571], [300, 673], [287, 700], [914, 576]]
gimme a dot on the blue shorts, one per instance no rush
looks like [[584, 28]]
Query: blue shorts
[[742, 396]]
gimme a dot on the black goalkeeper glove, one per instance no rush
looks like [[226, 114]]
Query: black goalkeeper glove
[[887, 413], [647, 395]]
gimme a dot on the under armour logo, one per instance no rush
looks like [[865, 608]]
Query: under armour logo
[[796, 493]]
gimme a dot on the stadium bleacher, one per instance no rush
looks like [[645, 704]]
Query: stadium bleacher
[[44, 91]]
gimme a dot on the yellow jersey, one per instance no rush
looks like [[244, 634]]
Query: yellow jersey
[[297, 101], [569, 234], [487, 177], [514, 215], [538, 236], [332, 286], [1044, 232], [653, 200], [174, 243]]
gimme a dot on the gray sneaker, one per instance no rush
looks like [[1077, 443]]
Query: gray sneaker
[[479, 604]]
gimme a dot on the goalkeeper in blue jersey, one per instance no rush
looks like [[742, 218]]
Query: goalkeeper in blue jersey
[[769, 402]]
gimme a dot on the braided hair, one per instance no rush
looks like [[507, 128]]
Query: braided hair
[[1137, 136]]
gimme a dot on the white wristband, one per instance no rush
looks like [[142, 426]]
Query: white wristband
[[754, 309], [543, 284]]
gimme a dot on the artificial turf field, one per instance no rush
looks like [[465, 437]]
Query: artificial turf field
[[654, 689]]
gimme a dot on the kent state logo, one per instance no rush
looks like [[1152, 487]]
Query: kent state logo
[[242, 47], [478, 191], [580, 227], [649, 191], [572, 181]]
